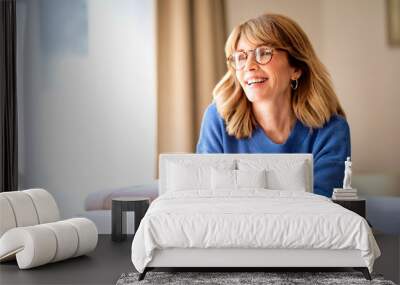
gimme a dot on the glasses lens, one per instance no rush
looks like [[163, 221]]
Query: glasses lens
[[263, 55], [238, 59]]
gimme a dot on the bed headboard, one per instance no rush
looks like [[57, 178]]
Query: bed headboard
[[279, 161]]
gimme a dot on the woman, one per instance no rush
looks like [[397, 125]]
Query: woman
[[277, 97]]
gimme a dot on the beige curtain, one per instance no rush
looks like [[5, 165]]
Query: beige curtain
[[190, 61]]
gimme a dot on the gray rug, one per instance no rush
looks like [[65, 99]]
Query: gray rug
[[243, 278]]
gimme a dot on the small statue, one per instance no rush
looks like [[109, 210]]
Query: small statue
[[347, 174]]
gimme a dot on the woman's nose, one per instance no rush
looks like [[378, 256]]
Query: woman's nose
[[251, 63]]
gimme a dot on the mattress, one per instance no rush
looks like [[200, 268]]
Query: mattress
[[251, 219]]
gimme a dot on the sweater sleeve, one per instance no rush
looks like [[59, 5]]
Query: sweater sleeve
[[331, 148], [211, 132]]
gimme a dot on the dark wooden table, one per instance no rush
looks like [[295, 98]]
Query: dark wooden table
[[356, 205], [120, 206]]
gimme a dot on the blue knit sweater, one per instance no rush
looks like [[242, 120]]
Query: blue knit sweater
[[330, 145]]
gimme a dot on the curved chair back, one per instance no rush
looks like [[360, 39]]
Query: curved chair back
[[27, 208]]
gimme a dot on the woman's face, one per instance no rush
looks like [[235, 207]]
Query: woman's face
[[269, 81]]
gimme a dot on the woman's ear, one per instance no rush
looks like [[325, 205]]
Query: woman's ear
[[296, 73]]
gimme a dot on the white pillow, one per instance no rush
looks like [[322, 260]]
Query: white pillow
[[181, 177], [223, 179], [187, 175], [237, 179], [282, 174], [251, 178], [294, 179]]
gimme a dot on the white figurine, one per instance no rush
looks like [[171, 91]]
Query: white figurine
[[347, 174]]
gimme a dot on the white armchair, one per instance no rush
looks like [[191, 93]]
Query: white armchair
[[31, 230]]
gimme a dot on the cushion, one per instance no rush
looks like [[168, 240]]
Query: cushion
[[188, 175], [102, 200], [281, 174], [30, 233], [223, 179], [67, 239], [40, 244], [291, 179], [45, 205], [237, 179], [251, 178], [23, 208], [7, 215]]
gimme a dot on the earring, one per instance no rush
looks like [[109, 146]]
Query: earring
[[294, 84]]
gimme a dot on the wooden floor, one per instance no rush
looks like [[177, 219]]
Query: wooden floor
[[111, 259]]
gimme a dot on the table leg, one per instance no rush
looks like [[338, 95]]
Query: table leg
[[140, 211], [118, 232]]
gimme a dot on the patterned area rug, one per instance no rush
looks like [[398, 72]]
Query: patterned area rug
[[244, 278]]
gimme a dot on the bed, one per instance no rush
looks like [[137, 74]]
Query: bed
[[247, 210]]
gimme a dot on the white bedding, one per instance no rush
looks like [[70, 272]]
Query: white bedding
[[250, 218]]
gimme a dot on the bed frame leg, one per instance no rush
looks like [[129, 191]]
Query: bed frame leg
[[143, 274], [364, 271]]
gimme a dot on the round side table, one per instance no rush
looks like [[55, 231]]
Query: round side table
[[120, 206]]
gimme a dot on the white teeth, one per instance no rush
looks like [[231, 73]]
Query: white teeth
[[252, 81]]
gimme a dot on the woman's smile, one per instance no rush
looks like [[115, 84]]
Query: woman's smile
[[256, 82]]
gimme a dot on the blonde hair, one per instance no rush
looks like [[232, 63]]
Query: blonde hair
[[314, 101]]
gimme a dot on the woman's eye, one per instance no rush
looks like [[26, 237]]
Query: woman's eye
[[263, 52], [241, 56]]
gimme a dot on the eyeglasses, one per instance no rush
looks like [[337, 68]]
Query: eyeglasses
[[263, 55]]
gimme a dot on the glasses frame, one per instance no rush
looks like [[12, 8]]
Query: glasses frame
[[246, 52]]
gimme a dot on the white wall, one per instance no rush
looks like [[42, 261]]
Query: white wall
[[89, 117], [350, 38]]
